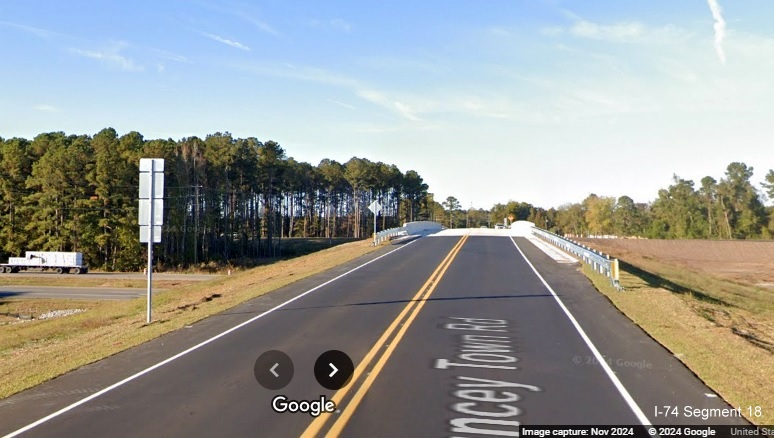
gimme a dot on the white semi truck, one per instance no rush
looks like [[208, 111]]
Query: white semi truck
[[60, 262]]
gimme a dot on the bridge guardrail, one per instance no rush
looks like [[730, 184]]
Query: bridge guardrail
[[415, 228], [387, 234], [600, 262]]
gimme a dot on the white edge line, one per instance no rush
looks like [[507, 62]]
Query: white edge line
[[195, 347], [600, 360]]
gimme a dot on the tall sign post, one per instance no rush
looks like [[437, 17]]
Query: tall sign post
[[151, 212], [375, 208]]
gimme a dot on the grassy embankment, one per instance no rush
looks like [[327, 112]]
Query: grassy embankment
[[35, 351], [721, 330]]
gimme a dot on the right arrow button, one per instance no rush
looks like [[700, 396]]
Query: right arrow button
[[333, 369]]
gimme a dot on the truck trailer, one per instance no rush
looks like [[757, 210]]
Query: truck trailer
[[60, 262]]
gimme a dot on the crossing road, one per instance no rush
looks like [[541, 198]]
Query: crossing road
[[449, 336], [86, 293]]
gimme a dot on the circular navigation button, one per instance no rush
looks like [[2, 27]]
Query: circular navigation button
[[333, 369], [273, 369]]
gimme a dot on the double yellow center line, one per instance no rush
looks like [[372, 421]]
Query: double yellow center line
[[406, 317]]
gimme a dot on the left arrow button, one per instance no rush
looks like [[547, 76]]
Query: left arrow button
[[273, 369]]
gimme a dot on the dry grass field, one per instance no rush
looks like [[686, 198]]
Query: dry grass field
[[710, 303]]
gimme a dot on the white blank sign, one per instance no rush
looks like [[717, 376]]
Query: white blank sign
[[158, 211], [151, 168], [144, 230], [145, 179]]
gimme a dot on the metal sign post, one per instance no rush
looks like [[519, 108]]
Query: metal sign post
[[375, 208], [151, 214]]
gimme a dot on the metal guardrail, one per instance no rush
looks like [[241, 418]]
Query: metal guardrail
[[600, 262], [388, 234]]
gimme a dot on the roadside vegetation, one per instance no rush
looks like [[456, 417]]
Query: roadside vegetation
[[716, 316], [728, 208], [226, 200], [721, 330], [35, 351]]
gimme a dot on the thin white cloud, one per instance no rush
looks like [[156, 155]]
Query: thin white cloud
[[552, 30], [402, 109], [163, 55], [401, 65], [337, 24], [406, 111], [111, 56], [244, 12], [260, 24], [169, 56], [345, 105], [42, 33], [301, 73], [495, 106], [499, 31], [376, 129], [340, 24], [604, 59], [46, 108], [311, 74], [615, 32], [720, 29], [622, 32], [226, 41]]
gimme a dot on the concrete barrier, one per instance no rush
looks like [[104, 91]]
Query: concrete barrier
[[422, 228]]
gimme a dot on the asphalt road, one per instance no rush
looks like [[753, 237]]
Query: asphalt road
[[449, 337]]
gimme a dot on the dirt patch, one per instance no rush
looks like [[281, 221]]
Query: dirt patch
[[745, 261], [724, 275]]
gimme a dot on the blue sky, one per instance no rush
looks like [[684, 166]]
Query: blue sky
[[535, 101]]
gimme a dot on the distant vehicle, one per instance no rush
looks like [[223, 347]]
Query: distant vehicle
[[484, 227], [499, 226], [59, 262]]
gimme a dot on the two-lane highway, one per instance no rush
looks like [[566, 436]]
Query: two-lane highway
[[449, 336]]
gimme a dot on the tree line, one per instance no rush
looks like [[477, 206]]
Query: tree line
[[729, 208], [225, 198]]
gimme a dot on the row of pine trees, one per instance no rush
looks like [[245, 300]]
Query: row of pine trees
[[226, 198]]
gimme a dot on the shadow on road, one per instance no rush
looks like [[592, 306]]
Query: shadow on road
[[374, 303]]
